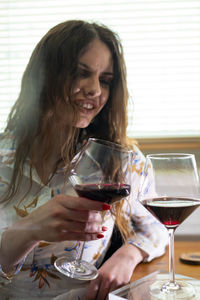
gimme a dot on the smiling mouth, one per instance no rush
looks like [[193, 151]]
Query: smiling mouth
[[87, 106]]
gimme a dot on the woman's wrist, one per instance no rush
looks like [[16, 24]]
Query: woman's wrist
[[133, 254]]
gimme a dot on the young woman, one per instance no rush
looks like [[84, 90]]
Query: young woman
[[74, 87]]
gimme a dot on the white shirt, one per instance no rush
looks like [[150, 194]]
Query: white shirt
[[38, 277]]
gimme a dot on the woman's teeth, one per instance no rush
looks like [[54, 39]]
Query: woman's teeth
[[87, 106]]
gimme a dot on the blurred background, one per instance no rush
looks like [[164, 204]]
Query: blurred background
[[161, 41]]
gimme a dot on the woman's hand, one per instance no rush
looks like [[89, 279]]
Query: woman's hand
[[66, 218], [62, 218], [115, 272]]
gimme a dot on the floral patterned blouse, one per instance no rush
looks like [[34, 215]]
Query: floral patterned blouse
[[36, 276]]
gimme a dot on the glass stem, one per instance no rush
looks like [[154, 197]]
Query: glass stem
[[80, 251], [171, 257]]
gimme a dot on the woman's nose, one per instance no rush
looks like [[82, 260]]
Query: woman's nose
[[92, 87]]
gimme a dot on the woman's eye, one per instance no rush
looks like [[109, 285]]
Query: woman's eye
[[106, 82], [83, 73]]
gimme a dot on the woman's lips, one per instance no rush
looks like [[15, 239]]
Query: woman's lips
[[85, 106]]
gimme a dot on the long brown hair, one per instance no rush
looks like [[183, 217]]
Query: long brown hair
[[48, 81]]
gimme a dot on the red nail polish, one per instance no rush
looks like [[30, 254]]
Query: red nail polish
[[105, 206], [100, 235], [104, 228]]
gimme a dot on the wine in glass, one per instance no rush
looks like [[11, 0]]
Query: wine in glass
[[100, 172], [171, 196]]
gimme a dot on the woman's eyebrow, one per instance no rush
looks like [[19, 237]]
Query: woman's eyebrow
[[110, 74], [80, 64], [83, 65]]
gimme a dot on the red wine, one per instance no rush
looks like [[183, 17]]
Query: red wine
[[171, 211], [108, 193]]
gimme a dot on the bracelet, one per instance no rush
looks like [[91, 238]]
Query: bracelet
[[7, 276]]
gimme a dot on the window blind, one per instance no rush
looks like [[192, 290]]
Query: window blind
[[161, 41]]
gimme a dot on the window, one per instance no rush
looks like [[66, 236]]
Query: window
[[161, 42]]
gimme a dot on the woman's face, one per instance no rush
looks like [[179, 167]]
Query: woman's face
[[92, 86]]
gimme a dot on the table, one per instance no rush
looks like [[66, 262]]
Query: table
[[161, 263]]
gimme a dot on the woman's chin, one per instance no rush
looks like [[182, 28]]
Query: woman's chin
[[82, 124]]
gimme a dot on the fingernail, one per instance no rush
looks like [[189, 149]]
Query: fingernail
[[100, 235], [105, 206], [104, 228]]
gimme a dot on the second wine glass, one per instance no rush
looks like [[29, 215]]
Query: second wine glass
[[100, 172], [171, 196]]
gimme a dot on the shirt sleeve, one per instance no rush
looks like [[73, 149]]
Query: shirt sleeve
[[149, 234], [6, 211]]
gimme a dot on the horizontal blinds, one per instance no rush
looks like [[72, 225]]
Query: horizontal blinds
[[161, 42]]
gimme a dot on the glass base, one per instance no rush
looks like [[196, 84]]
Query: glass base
[[140, 289], [81, 270], [179, 290]]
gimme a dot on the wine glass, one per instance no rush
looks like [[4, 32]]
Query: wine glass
[[99, 172], [170, 192]]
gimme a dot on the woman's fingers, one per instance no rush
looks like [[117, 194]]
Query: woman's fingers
[[81, 203], [71, 236], [100, 288], [93, 289], [87, 227], [76, 215]]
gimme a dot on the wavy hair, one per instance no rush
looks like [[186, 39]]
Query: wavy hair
[[48, 81]]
